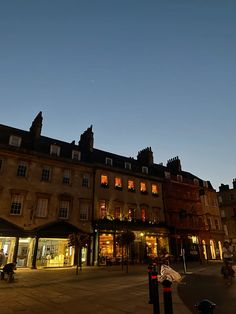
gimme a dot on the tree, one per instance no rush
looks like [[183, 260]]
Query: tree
[[125, 239], [78, 241]]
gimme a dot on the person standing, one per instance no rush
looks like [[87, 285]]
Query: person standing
[[2, 257]]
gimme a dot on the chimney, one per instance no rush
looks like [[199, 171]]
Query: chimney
[[145, 156], [36, 127], [86, 140], [174, 165], [234, 183], [223, 187]]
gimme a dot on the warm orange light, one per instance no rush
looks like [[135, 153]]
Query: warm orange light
[[154, 189], [143, 187], [104, 179]]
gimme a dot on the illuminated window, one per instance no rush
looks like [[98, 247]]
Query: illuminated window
[[143, 214], [143, 187], [117, 213], [118, 183], [104, 180], [131, 186], [154, 189], [131, 214], [103, 209]]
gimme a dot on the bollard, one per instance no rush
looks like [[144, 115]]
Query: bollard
[[167, 296], [150, 284], [205, 306], [155, 292]]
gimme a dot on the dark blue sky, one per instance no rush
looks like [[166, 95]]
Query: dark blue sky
[[142, 72]]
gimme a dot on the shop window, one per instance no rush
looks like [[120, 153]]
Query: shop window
[[143, 188], [66, 176], [15, 141], [85, 180], [16, 204], [154, 189], [55, 150], [76, 155], [83, 214], [118, 183], [103, 209], [22, 169], [131, 186], [104, 181], [46, 174], [143, 214], [42, 208], [64, 209], [117, 213]]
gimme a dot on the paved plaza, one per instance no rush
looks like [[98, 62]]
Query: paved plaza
[[97, 290]]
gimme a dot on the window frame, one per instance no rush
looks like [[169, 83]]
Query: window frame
[[55, 150], [15, 140], [17, 200], [76, 154], [22, 169], [46, 177], [42, 208]]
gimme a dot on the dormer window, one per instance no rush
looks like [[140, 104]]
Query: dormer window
[[167, 175], [55, 150], [109, 161], [76, 155], [145, 170], [205, 184], [15, 141], [196, 181], [128, 165]]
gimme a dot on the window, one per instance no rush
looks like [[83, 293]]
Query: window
[[143, 187], [131, 186], [205, 184], [220, 199], [55, 150], [42, 208], [143, 214], [145, 170], [128, 165], [196, 181], [154, 189], [117, 213], [66, 176], [103, 209], [83, 213], [15, 141], [64, 209], [22, 169], [16, 204], [118, 183], [85, 180], [109, 161], [131, 214], [76, 155], [167, 175], [46, 173], [222, 213], [104, 180]]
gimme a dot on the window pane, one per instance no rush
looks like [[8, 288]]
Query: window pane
[[64, 209], [16, 204], [42, 207]]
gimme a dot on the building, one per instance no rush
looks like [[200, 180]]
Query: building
[[227, 203], [50, 189]]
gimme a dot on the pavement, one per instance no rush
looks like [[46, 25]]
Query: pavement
[[105, 290]]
